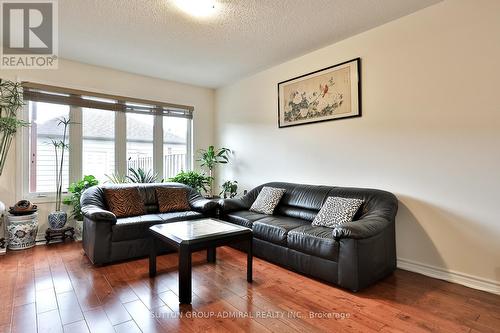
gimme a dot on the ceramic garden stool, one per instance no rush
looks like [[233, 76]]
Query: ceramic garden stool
[[21, 231]]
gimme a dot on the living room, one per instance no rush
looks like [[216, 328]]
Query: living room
[[209, 165]]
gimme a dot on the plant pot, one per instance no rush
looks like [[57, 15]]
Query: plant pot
[[22, 231], [57, 220], [79, 228]]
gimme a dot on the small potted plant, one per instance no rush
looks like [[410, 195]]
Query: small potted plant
[[58, 218], [76, 189], [229, 189], [209, 158]]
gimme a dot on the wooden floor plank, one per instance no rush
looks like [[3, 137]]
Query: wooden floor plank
[[76, 327], [97, 321], [56, 288], [127, 327], [49, 322]]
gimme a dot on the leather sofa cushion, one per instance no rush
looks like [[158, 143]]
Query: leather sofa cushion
[[274, 229], [297, 212], [137, 227], [180, 216], [172, 199], [245, 218], [124, 202], [317, 241]]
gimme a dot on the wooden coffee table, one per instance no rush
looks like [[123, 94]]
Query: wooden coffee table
[[195, 235]]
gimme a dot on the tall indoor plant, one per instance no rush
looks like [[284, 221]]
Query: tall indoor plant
[[209, 158], [11, 101], [58, 218], [76, 189]]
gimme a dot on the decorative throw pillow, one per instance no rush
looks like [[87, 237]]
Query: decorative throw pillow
[[172, 199], [124, 202], [336, 211], [267, 200]]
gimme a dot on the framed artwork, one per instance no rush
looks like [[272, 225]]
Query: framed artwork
[[327, 94]]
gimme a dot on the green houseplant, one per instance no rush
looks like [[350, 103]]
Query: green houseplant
[[194, 179], [117, 178], [229, 189], [76, 189], [11, 100], [141, 176], [209, 158], [58, 218]]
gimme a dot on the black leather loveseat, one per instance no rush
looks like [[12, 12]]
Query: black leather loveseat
[[353, 255], [107, 239]]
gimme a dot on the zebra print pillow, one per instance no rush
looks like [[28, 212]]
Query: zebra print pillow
[[336, 211], [267, 200], [124, 202]]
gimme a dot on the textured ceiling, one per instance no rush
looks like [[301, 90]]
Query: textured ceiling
[[155, 38]]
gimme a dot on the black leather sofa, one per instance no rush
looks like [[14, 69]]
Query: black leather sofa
[[107, 239], [353, 255]]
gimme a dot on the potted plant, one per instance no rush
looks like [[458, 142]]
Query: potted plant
[[229, 189], [11, 100], [58, 218], [76, 189], [140, 176], [209, 158], [192, 178]]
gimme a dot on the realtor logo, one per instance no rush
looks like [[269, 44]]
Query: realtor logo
[[29, 34]]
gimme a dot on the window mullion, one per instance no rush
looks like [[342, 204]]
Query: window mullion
[[120, 143], [189, 145], [158, 146], [75, 142]]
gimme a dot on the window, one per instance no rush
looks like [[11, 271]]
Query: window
[[175, 145], [44, 118], [109, 134], [140, 128], [98, 143]]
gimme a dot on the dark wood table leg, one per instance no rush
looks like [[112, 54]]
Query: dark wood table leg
[[211, 254], [250, 259], [152, 257], [184, 275]]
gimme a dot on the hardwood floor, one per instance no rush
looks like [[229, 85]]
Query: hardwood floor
[[56, 289]]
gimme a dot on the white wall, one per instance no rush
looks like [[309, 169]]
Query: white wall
[[92, 78], [430, 133]]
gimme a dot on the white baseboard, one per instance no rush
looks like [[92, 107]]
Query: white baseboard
[[467, 280]]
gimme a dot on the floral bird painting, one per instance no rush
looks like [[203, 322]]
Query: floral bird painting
[[319, 96]]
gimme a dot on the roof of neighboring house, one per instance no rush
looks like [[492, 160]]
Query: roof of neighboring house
[[102, 129]]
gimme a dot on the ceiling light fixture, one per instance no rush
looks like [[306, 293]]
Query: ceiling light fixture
[[197, 8]]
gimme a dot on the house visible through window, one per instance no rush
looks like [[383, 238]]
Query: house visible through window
[[140, 137], [98, 145], [44, 119], [175, 145], [106, 136]]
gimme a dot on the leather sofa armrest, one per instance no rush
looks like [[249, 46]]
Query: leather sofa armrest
[[231, 205], [360, 229], [203, 205], [98, 214]]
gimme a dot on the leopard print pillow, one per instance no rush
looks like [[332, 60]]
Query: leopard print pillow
[[124, 202], [267, 200], [172, 199], [336, 211]]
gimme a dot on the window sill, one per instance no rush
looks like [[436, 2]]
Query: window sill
[[41, 198]]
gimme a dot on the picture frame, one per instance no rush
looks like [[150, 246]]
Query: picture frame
[[326, 94]]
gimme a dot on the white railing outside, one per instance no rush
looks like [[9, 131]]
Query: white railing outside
[[172, 164]]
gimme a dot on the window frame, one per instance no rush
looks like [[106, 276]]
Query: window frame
[[75, 155]]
